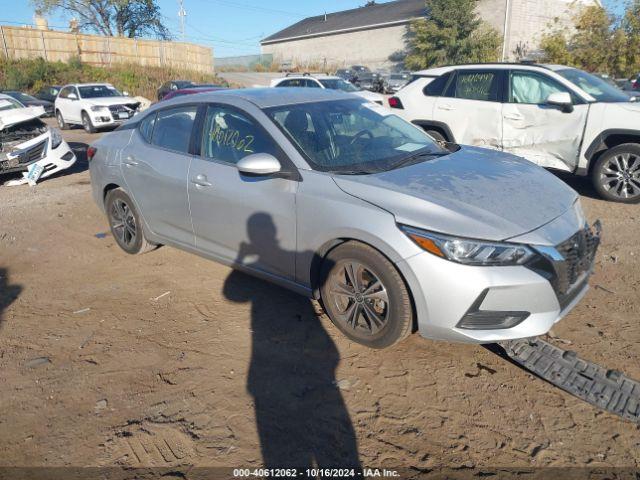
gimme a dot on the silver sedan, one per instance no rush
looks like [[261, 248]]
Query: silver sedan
[[339, 199]]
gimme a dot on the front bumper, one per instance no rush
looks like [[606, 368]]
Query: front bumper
[[445, 292], [106, 118]]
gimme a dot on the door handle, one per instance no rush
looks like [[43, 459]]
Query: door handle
[[129, 161], [201, 181], [514, 116], [446, 106]]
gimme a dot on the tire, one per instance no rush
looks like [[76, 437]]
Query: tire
[[394, 315], [129, 234], [616, 174], [87, 124], [437, 136], [61, 123]]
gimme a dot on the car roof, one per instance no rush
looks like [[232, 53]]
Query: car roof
[[269, 97], [499, 66], [97, 84], [319, 76]]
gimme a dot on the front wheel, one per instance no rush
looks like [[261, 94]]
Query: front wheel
[[125, 224], [616, 174], [61, 123], [365, 296], [87, 123]]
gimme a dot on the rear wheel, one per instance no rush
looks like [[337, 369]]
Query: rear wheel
[[87, 124], [616, 174], [125, 224], [365, 296], [61, 123]]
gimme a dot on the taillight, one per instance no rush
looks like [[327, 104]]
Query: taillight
[[91, 152], [394, 102]]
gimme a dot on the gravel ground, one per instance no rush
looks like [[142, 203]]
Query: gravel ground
[[168, 359]]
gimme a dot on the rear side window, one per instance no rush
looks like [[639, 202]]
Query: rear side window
[[172, 128], [436, 87], [146, 127], [230, 135], [475, 85]]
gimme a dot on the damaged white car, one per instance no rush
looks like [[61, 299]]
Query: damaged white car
[[94, 106], [555, 116], [28, 145]]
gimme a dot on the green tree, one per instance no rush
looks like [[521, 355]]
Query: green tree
[[124, 18], [631, 28], [452, 33]]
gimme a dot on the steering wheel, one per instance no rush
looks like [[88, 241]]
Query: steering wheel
[[360, 134]]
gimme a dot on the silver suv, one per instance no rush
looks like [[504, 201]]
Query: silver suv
[[340, 199]]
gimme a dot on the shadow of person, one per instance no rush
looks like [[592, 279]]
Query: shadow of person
[[301, 416], [8, 293]]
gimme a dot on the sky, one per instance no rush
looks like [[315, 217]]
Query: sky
[[231, 27]]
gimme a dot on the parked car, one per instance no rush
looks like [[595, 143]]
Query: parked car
[[191, 91], [555, 116], [94, 106], [359, 69], [397, 81], [338, 198], [48, 93], [28, 144], [167, 87], [345, 74], [327, 81], [29, 101]]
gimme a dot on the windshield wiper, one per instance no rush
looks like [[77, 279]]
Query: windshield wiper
[[411, 158]]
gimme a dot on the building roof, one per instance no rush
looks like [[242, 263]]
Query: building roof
[[396, 12]]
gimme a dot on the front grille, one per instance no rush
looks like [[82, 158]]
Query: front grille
[[33, 154], [118, 108], [569, 272]]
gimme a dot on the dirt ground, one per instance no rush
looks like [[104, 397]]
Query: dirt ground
[[168, 359]]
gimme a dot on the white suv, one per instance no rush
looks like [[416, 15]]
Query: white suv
[[326, 81], [555, 116], [93, 105]]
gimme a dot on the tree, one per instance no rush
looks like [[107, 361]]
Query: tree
[[124, 18], [452, 33]]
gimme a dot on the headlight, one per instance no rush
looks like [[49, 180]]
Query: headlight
[[468, 251], [56, 138], [98, 108]]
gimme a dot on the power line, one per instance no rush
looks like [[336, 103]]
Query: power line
[[245, 6]]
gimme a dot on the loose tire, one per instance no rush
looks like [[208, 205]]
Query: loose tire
[[437, 136], [61, 123], [87, 124], [365, 296], [125, 223], [616, 174]]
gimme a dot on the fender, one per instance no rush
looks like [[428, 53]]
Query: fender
[[599, 144], [437, 126]]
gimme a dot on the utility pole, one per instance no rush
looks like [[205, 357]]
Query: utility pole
[[182, 13]]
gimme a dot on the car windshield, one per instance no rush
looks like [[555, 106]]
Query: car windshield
[[598, 88], [7, 103], [98, 91], [352, 136], [338, 84], [22, 97]]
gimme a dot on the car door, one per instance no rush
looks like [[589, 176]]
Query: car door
[[247, 220], [544, 134], [471, 107], [63, 103], [155, 166], [75, 105]]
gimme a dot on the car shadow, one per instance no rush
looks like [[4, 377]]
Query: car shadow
[[580, 184], [301, 417], [8, 293], [82, 163]]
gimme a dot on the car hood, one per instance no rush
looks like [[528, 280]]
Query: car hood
[[107, 101], [14, 116], [474, 192]]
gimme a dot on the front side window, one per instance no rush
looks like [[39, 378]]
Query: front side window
[[172, 129], [294, 82], [99, 91], [64, 93], [475, 85], [229, 135], [352, 136], [532, 88], [146, 127], [311, 84]]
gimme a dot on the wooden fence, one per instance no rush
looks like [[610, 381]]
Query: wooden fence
[[21, 42]]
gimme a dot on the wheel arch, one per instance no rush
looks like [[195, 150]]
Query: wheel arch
[[107, 189], [606, 140], [440, 127]]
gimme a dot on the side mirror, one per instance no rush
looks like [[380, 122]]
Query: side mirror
[[562, 100], [260, 164], [72, 96]]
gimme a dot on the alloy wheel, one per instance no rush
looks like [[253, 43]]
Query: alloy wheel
[[360, 298], [123, 222], [620, 175]]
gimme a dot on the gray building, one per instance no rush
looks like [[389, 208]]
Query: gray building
[[370, 35]]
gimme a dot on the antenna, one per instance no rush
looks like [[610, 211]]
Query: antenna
[[182, 13]]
